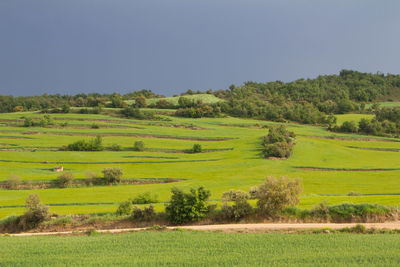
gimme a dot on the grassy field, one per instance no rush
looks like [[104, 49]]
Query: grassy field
[[330, 164], [206, 98], [386, 104], [202, 249]]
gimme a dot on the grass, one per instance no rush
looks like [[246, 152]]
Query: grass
[[202, 249], [240, 167], [206, 98]]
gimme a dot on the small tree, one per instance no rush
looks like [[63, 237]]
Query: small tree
[[35, 214], [125, 208], [116, 147], [274, 195], [12, 182], [196, 148], [145, 214], [140, 102], [138, 146], [28, 122], [112, 175], [187, 207], [240, 209], [66, 179]]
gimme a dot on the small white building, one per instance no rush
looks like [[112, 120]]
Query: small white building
[[58, 168]]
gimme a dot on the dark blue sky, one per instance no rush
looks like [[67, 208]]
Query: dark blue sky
[[169, 46]]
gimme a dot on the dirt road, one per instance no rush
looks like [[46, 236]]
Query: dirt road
[[238, 227]]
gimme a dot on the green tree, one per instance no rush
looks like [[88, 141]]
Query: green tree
[[187, 207]]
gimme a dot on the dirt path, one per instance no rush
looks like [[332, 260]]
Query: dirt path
[[238, 227]]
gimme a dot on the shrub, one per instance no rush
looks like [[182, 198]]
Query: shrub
[[116, 147], [95, 144], [145, 198], [112, 175], [95, 126], [125, 208], [66, 179], [140, 102], [187, 207], [278, 143], [196, 148], [274, 195], [133, 112], [12, 182], [35, 214], [138, 146], [145, 214], [240, 209], [28, 122], [90, 177]]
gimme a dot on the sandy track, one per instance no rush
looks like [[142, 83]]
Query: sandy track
[[237, 227]]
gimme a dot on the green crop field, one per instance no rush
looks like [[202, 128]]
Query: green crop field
[[330, 164], [202, 249]]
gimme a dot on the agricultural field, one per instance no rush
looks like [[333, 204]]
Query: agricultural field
[[205, 98], [331, 165], [202, 249]]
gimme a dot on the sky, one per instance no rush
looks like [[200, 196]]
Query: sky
[[169, 46]]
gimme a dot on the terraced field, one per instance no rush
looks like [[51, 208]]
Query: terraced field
[[330, 164]]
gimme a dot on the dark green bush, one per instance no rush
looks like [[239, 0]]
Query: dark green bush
[[138, 146], [187, 207], [145, 198], [196, 148], [116, 147], [95, 144], [146, 214]]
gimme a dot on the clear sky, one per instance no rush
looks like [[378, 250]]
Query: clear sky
[[169, 46]]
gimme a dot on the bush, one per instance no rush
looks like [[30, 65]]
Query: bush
[[145, 214], [133, 112], [28, 122], [95, 126], [116, 147], [196, 148], [125, 208], [66, 179], [240, 209], [274, 195], [145, 198], [187, 207], [12, 182], [35, 214], [138, 146], [95, 144], [112, 175], [278, 143]]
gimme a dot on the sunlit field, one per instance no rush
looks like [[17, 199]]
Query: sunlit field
[[331, 165]]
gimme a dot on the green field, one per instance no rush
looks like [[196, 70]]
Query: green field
[[206, 98], [330, 164], [202, 249]]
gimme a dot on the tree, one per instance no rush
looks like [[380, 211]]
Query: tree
[[140, 102], [241, 207], [125, 208], [28, 122], [138, 146], [66, 179], [196, 148], [187, 207], [112, 175], [274, 195], [35, 214]]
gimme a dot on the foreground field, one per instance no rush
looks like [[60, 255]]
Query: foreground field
[[202, 249], [330, 165]]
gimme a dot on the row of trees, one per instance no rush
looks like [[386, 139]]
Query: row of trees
[[385, 123], [273, 196]]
